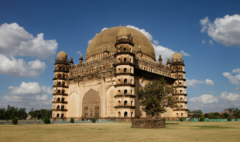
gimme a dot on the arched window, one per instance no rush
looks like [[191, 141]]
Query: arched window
[[125, 59], [125, 103], [59, 83], [63, 99], [125, 81], [58, 99], [119, 114], [131, 91], [58, 107], [181, 106], [180, 99], [177, 114], [119, 102], [119, 91], [125, 50], [63, 91], [59, 75], [125, 91], [125, 69], [60, 68], [62, 115], [131, 81], [62, 107], [131, 103], [63, 84], [57, 115], [125, 114], [58, 91]]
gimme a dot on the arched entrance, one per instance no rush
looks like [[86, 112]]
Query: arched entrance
[[91, 107]]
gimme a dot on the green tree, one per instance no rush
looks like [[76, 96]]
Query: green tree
[[155, 97], [197, 113]]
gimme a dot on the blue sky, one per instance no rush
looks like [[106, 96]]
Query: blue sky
[[33, 32]]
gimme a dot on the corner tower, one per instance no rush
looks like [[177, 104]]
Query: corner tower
[[60, 87], [125, 96], [178, 72]]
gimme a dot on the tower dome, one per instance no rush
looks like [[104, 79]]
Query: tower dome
[[62, 55], [176, 57], [107, 38]]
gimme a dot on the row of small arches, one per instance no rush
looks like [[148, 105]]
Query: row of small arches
[[125, 92]]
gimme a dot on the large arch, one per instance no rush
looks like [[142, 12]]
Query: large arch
[[91, 105]]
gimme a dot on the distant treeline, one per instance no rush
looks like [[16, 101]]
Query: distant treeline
[[230, 112], [12, 112]]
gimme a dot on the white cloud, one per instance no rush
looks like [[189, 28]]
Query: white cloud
[[78, 52], [203, 41], [28, 95], [147, 34], [223, 30], [211, 42], [233, 97], [184, 53], [193, 83], [236, 70], [238, 89], [18, 67], [163, 51], [233, 79], [155, 42], [209, 82], [103, 29], [205, 99], [15, 40]]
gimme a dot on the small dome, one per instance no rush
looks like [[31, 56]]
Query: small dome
[[176, 56], [62, 55], [123, 32]]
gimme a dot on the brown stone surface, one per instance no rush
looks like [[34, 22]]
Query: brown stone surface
[[148, 123]]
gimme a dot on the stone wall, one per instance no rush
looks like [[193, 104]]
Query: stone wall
[[148, 123]]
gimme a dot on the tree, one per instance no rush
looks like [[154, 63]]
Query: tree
[[155, 97], [197, 113]]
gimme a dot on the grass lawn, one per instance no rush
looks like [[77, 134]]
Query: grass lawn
[[102, 132]]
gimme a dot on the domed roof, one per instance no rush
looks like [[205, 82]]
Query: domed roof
[[177, 56], [123, 32], [107, 38], [62, 55]]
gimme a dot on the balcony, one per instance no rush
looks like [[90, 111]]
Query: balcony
[[130, 74], [126, 95], [177, 94], [125, 106], [61, 62], [180, 109], [59, 110], [60, 93], [61, 78], [132, 85], [124, 63], [63, 102], [67, 71], [60, 86]]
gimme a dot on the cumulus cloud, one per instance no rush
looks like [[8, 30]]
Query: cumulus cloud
[[155, 42], [238, 89], [147, 34], [236, 70], [205, 99], [233, 97], [163, 51], [15, 40], [209, 82], [233, 79], [211, 42], [224, 30], [18, 67], [78, 52], [203, 41], [28, 95], [193, 83], [184, 53]]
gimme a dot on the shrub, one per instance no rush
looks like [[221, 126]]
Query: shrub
[[46, 120], [164, 119], [14, 121], [236, 118], [71, 120], [202, 118], [93, 120], [229, 118], [181, 119]]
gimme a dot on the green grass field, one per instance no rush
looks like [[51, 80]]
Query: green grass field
[[102, 132]]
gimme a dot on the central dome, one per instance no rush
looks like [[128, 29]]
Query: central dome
[[107, 38]]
